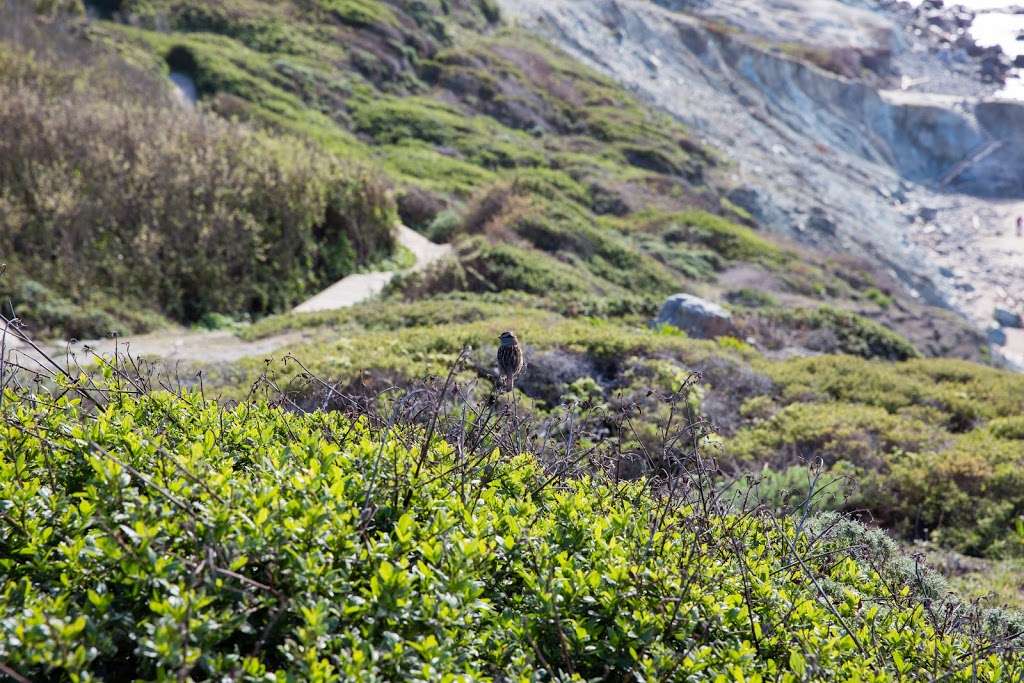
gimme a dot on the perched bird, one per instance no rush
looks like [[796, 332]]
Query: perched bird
[[510, 359]]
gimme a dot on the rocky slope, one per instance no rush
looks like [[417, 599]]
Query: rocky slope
[[802, 98]]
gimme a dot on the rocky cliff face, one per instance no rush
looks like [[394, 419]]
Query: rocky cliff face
[[921, 181]]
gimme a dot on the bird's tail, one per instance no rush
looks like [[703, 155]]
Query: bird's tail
[[508, 382]]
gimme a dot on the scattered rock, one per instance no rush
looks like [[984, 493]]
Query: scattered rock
[[747, 199], [996, 336], [945, 271], [928, 214], [1008, 318], [697, 317], [820, 222]]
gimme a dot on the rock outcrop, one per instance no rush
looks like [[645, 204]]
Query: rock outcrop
[[1008, 318], [697, 317]]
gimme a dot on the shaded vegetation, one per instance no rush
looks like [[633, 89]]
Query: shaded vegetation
[[843, 331]]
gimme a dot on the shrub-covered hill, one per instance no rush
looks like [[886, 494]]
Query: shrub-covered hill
[[166, 537], [930, 449], [549, 178], [119, 205]]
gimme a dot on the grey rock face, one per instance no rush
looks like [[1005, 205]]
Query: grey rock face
[[820, 222], [1008, 318], [996, 336], [697, 317]]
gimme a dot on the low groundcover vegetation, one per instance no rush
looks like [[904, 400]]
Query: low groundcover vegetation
[[162, 536]]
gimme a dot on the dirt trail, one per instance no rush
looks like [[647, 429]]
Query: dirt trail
[[221, 346], [355, 288]]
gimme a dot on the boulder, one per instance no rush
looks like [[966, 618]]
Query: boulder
[[996, 336], [697, 317], [1008, 318], [820, 222]]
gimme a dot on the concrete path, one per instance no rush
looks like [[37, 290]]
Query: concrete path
[[355, 288], [220, 346]]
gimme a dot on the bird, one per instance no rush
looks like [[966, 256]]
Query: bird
[[510, 359]]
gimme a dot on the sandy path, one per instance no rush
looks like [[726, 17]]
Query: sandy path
[[360, 287], [221, 346]]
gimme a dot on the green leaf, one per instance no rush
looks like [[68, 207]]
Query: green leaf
[[797, 663]]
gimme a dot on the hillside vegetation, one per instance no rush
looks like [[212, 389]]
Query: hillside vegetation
[[549, 178], [179, 539], [929, 448], [644, 506], [117, 203]]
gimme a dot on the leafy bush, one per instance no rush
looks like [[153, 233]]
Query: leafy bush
[[1008, 427], [806, 432], [913, 437], [509, 211], [911, 475], [177, 210], [966, 497], [797, 488], [879, 297], [166, 537], [855, 334], [47, 313], [729, 239], [751, 298], [963, 393], [443, 227]]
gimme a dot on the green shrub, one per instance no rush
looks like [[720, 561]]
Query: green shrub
[[390, 121], [833, 432], [169, 538], [752, 298], [443, 227], [1008, 427], [962, 392], [430, 168], [186, 213], [910, 474], [833, 330], [399, 120], [879, 297], [797, 487], [966, 497], [729, 239], [360, 12], [855, 334], [508, 267], [47, 314], [757, 407]]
